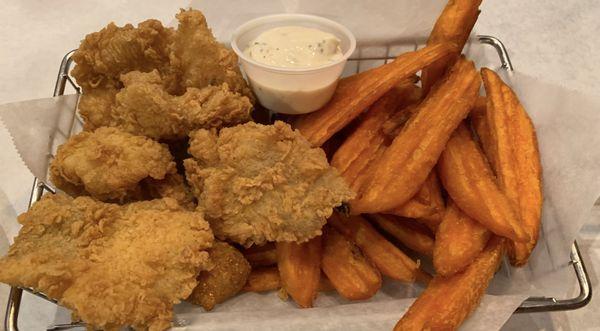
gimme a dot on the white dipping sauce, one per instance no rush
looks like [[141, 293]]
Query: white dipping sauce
[[294, 47]]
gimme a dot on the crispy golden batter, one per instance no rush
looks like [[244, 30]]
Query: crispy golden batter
[[190, 56], [160, 82], [198, 60], [104, 55], [112, 265], [172, 186], [259, 183], [225, 279], [108, 164], [144, 107]]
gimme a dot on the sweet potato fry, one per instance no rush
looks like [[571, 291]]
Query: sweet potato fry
[[390, 260], [410, 236], [263, 279], [261, 256], [268, 279], [512, 144], [458, 241], [300, 269], [405, 165], [479, 124], [356, 93], [447, 301], [372, 136], [427, 204], [362, 145], [352, 275], [453, 25], [467, 177]]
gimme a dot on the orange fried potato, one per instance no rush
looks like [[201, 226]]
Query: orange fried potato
[[389, 259], [362, 146], [428, 204], [263, 280], [458, 241], [405, 165], [512, 144], [401, 229], [261, 256], [467, 177], [453, 25], [356, 93], [225, 279], [268, 279], [300, 269], [352, 274], [372, 136], [447, 301]]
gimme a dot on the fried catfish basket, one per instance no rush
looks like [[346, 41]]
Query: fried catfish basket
[[358, 63]]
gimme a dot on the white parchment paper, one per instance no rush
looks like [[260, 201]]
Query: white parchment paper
[[567, 124]]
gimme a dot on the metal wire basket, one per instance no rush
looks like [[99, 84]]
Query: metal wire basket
[[356, 64]]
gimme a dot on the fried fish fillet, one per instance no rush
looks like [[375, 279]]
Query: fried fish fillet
[[103, 56], [144, 107], [226, 277], [109, 164], [258, 183], [175, 80], [189, 56], [197, 59], [172, 186], [112, 265]]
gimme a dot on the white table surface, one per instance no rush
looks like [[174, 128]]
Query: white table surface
[[554, 40]]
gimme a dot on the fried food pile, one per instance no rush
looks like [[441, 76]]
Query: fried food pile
[[399, 141], [112, 265], [163, 151], [257, 183], [422, 169], [160, 82]]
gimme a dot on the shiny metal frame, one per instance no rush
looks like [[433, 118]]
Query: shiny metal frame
[[532, 304]]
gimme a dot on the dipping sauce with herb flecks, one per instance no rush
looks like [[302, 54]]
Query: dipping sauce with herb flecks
[[294, 47]]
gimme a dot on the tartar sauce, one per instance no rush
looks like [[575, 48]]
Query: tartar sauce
[[294, 47]]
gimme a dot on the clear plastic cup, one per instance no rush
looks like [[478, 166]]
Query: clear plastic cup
[[292, 90]]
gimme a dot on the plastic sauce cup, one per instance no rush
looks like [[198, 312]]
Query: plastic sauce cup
[[292, 90]]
